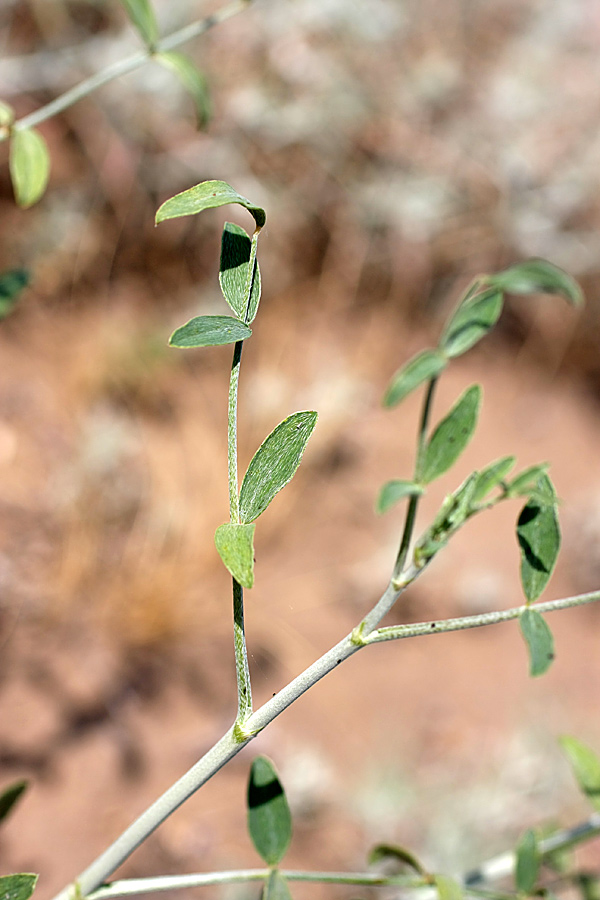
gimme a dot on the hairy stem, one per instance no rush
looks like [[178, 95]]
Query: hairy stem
[[124, 66], [228, 746], [241, 656]]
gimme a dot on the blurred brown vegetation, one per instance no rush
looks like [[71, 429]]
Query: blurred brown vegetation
[[399, 149]]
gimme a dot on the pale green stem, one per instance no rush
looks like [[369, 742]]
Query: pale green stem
[[231, 743], [132, 886], [239, 635], [394, 589], [123, 67]]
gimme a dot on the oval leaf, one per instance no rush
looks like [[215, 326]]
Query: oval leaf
[[233, 274], [207, 195], [422, 367], [10, 796], [447, 888], [472, 321], [537, 276], [209, 331], [275, 463], [11, 285], [398, 855], [586, 768], [538, 534], [527, 864], [276, 887], [539, 640], [269, 818], [451, 436], [491, 477], [393, 491], [17, 887], [142, 16], [235, 545], [29, 164], [192, 79]]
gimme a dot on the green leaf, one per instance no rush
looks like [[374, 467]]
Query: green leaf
[[471, 322], [142, 16], [393, 491], [451, 436], [7, 115], [207, 195], [539, 640], [29, 164], [425, 365], [527, 866], [491, 477], [192, 79], [276, 887], [209, 331], [538, 534], [385, 852], [17, 887], [448, 888], [235, 545], [274, 463], [536, 276], [10, 796], [11, 285], [233, 274], [588, 884], [586, 768], [269, 818], [524, 484]]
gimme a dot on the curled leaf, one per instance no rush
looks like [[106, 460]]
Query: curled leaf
[[393, 491], [192, 79], [397, 855], [233, 273], [207, 195], [491, 477], [10, 796], [537, 276], [472, 321]]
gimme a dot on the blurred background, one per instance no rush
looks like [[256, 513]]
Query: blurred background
[[399, 147]]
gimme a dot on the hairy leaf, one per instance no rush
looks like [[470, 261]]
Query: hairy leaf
[[538, 534], [141, 15], [472, 321], [209, 331], [11, 285], [536, 276], [398, 855], [274, 463], [10, 796], [235, 545], [192, 79], [29, 164], [586, 768], [422, 367], [527, 865], [491, 477], [393, 491], [269, 818], [17, 887], [451, 436], [207, 195], [539, 640], [233, 274]]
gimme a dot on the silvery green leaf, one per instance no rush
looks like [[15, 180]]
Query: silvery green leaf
[[451, 436], [207, 195], [141, 15], [192, 79], [274, 463], [471, 322], [539, 640], [233, 274], [537, 276], [17, 887], [538, 534], [492, 476], [393, 491], [209, 331], [423, 367], [269, 818], [527, 865], [235, 545]]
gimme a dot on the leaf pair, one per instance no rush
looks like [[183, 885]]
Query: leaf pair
[[476, 315], [271, 468], [239, 275], [269, 823]]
